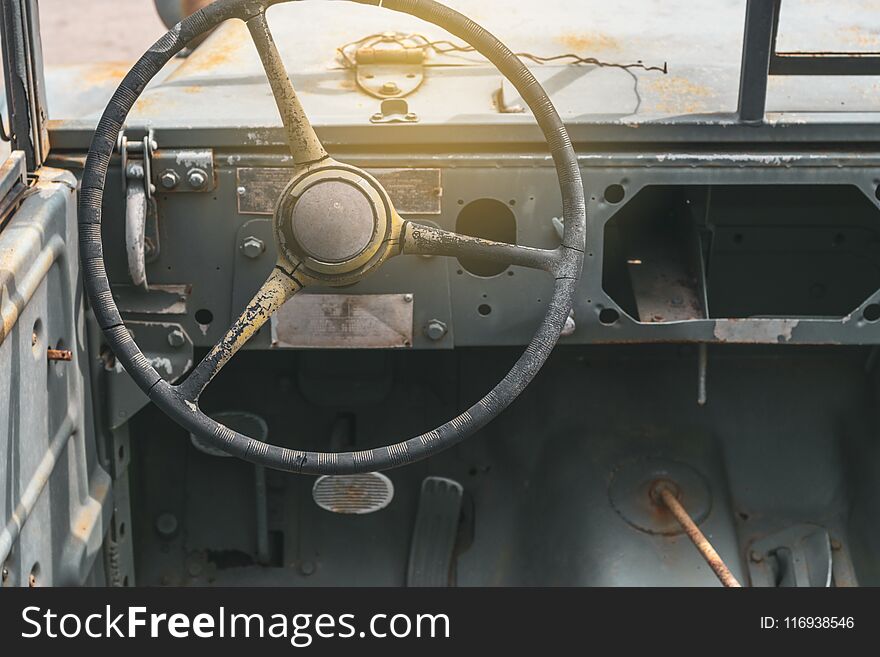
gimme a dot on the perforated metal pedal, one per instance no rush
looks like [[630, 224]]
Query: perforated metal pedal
[[353, 494]]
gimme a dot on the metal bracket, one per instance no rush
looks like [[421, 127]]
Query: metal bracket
[[394, 110], [390, 67], [799, 555], [141, 220], [184, 170]]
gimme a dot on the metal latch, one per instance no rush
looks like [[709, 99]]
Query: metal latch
[[141, 222]]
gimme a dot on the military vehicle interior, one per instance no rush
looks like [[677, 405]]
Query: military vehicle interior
[[716, 301]]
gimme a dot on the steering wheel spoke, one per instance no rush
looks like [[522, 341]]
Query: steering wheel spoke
[[279, 288], [419, 239], [305, 147]]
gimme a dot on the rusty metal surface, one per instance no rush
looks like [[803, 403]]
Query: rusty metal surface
[[630, 494], [413, 191], [222, 83], [370, 321], [56, 496], [353, 494], [704, 547]]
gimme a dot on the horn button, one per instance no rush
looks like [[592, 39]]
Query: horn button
[[333, 221]]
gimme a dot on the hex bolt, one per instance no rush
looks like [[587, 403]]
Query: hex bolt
[[435, 330], [390, 88], [197, 178], [252, 247], [169, 179], [167, 525], [176, 338]]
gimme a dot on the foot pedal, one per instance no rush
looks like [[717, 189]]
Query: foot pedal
[[353, 494], [433, 543]]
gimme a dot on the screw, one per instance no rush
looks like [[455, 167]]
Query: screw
[[411, 116], [378, 116], [197, 178], [435, 330], [756, 556], [176, 338], [166, 525], [252, 247], [307, 568], [408, 298], [390, 88], [5, 575], [169, 179]]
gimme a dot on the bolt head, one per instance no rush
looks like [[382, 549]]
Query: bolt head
[[197, 178], [253, 247], [390, 88], [167, 525], [169, 179], [436, 330], [176, 338]]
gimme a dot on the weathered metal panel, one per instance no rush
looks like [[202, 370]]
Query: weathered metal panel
[[344, 321], [413, 191], [55, 497]]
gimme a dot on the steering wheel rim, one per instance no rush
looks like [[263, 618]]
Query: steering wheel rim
[[185, 411]]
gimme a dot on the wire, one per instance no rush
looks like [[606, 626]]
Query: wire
[[446, 47]]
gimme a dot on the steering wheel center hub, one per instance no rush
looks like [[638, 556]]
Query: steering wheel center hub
[[333, 221]]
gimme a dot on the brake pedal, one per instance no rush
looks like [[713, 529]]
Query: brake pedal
[[434, 536]]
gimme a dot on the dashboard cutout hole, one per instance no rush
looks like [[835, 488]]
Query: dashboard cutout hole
[[37, 336], [872, 312], [678, 253], [204, 316], [614, 193], [608, 316], [489, 219], [484, 309]]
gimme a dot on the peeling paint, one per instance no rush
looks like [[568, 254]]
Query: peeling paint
[[755, 331]]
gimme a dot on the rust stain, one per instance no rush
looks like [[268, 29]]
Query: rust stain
[[145, 104], [859, 37], [223, 47], [589, 42], [97, 75], [675, 94]]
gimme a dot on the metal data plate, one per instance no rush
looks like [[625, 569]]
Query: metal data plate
[[344, 321], [413, 191]]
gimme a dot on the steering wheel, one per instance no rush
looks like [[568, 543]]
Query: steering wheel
[[334, 224]]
